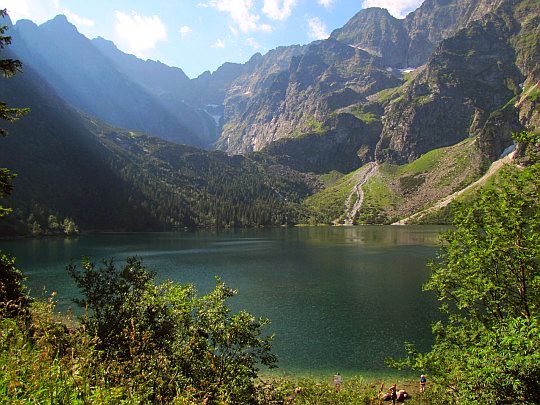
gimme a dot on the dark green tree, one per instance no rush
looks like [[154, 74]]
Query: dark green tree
[[8, 67], [13, 296], [488, 280]]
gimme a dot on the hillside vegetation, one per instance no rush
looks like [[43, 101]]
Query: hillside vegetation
[[397, 191]]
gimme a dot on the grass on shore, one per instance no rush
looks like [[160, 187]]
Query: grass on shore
[[53, 361]]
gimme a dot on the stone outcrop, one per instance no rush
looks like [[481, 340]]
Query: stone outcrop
[[469, 76]]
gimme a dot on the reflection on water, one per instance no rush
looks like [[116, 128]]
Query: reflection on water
[[339, 298]]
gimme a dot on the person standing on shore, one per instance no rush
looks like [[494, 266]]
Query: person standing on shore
[[337, 382], [423, 382]]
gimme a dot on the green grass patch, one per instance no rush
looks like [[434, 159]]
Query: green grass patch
[[533, 95], [315, 126], [367, 117], [378, 194], [329, 204], [387, 94], [330, 178], [423, 164]]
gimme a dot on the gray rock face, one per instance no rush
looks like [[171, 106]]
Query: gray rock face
[[325, 76], [375, 31], [468, 87], [296, 95], [410, 41], [349, 144]]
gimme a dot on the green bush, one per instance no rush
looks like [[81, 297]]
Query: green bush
[[165, 340]]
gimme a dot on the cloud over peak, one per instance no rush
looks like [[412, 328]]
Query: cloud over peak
[[317, 28], [278, 9], [398, 8], [138, 32], [242, 13]]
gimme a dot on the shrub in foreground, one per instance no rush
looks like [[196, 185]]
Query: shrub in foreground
[[163, 339]]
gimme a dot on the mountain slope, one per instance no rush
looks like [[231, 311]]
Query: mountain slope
[[107, 178], [168, 85], [466, 88], [409, 42], [326, 76], [392, 191], [59, 165], [88, 80], [473, 68]]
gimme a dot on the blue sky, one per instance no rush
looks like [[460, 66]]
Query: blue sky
[[199, 35]]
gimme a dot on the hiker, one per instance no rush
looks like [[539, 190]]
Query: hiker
[[423, 382], [337, 382], [393, 393]]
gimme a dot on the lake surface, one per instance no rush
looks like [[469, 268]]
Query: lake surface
[[340, 299]]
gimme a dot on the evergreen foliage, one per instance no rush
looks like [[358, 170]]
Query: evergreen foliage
[[8, 67], [14, 298]]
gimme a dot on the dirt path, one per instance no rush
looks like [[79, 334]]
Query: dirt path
[[351, 210], [494, 168]]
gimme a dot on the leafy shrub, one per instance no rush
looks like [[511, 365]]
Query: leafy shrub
[[165, 340]]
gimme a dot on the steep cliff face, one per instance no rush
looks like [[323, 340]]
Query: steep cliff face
[[292, 92], [409, 42], [436, 20], [469, 76], [474, 84], [350, 143], [375, 31], [325, 76]]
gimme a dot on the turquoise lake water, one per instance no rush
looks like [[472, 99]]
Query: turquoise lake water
[[340, 298]]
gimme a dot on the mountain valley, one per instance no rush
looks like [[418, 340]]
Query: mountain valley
[[426, 103]]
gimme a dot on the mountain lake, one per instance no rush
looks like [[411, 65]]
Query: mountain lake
[[339, 298]]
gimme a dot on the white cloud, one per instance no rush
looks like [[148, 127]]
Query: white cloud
[[138, 32], [242, 13], [326, 3], [279, 9], [17, 9], [251, 42], [40, 11], [398, 8], [317, 29], [219, 44], [77, 19], [185, 31], [28, 9]]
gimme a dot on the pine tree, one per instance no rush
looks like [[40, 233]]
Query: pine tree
[[13, 295], [8, 67]]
